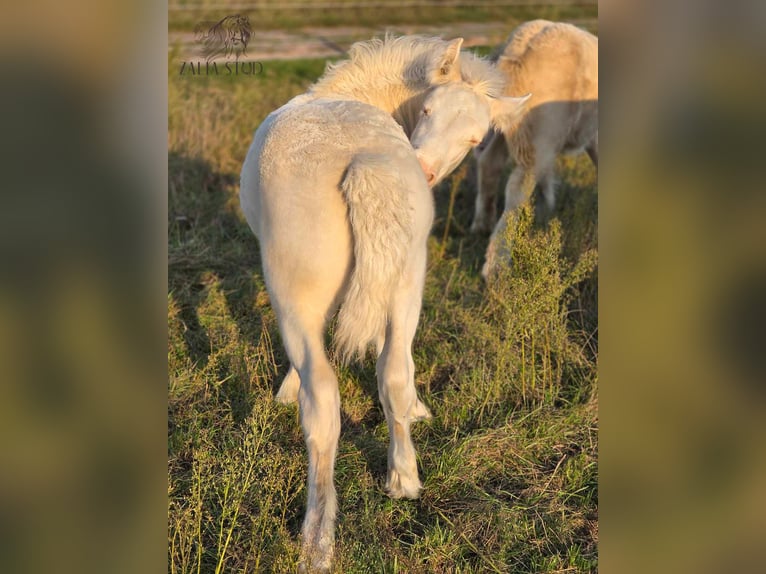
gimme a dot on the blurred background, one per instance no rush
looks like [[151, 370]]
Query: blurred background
[[326, 28], [83, 387]]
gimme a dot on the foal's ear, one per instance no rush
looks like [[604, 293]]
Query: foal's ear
[[506, 111], [449, 65]]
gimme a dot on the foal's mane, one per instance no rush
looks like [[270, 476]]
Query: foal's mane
[[395, 74], [482, 75], [401, 64]]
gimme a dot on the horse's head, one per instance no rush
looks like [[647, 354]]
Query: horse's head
[[455, 117]]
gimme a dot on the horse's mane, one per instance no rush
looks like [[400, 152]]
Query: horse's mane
[[395, 73], [482, 75], [403, 60]]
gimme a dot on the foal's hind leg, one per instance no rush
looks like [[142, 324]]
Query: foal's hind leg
[[301, 310], [319, 404], [396, 385]]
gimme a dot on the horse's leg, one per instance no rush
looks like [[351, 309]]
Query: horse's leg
[[288, 390], [302, 309], [518, 190], [396, 382], [489, 168], [545, 173], [319, 404]]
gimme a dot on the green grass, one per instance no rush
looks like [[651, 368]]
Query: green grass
[[377, 17], [509, 461]]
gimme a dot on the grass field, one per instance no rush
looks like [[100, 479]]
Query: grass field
[[509, 461]]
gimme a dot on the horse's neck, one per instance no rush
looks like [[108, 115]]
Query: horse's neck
[[402, 103], [391, 75], [392, 96]]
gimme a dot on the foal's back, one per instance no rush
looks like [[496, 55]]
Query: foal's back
[[291, 194], [558, 64]]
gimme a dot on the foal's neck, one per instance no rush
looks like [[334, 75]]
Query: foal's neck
[[402, 102], [391, 74]]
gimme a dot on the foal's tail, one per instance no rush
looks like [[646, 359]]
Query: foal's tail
[[381, 223]]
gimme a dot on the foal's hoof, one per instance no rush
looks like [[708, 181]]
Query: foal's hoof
[[402, 486]]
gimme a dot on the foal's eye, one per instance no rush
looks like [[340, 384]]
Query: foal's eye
[[474, 141], [426, 111]]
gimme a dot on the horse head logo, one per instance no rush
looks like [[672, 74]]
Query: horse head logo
[[229, 36]]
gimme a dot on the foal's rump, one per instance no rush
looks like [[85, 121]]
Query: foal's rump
[[328, 188]]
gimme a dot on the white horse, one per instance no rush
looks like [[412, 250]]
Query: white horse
[[558, 64], [335, 193], [455, 117]]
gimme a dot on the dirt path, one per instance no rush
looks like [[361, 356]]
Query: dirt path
[[327, 42]]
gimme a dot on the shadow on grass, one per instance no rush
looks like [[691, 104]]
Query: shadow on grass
[[208, 242]]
